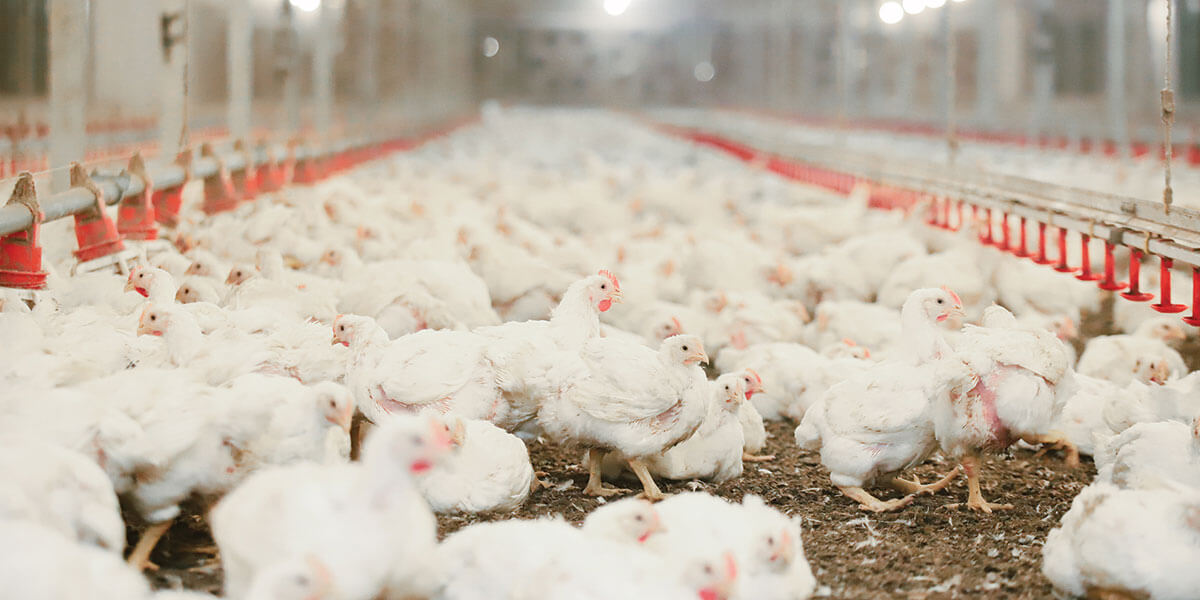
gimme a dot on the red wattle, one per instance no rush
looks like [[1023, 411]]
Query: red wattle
[[142, 291], [604, 305], [420, 466]]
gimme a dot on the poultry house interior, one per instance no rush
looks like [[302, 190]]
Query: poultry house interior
[[476, 299]]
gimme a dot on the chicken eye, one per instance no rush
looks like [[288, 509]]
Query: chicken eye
[[341, 327], [685, 348], [153, 317], [604, 286], [771, 540], [708, 570], [727, 388], [941, 301], [639, 518], [416, 440]]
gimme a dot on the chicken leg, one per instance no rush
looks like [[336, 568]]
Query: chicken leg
[[747, 457], [1056, 441], [975, 501], [595, 485], [140, 557], [868, 502], [915, 487], [649, 488]]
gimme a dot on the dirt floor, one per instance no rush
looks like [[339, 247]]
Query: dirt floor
[[924, 551]]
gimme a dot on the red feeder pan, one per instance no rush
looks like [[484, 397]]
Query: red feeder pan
[[1135, 271], [1194, 318], [1164, 289]]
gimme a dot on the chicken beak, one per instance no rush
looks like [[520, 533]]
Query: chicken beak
[[785, 551], [129, 286], [617, 296], [1067, 330], [458, 434], [697, 356], [346, 418], [144, 329], [725, 587], [230, 280]]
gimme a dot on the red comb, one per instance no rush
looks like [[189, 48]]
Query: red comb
[[678, 325], [612, 278], [957, 300]]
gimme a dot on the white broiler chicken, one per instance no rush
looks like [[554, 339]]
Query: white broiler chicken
[[306, 424], [219, 357], [1024, 380], [880, 421], [445, 370], [630, 400], [1151, 456], [489, 472], [59, 489], [754, 430], [1113, 357], [1116, 543], [1083, 415], [626, 520], [39, 562], [560, 561], [799, 376], [523, 353], [766, 543], [365, 521], [714, 451]]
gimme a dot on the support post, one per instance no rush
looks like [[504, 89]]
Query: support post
[[173, 36], [68, 88], [241, 68], [1115, 95]]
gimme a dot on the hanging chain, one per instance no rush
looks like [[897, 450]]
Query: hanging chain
[[1168, 118], [187, 59]]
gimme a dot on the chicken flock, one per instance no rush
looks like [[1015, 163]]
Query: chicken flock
[[327, 368]]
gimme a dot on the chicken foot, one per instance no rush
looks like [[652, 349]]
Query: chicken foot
[[595, 485], [538, 483], [140, 557], [915, 487], [1056, 441], [747, 457], [649, 489], [868, 502], [975, 501]]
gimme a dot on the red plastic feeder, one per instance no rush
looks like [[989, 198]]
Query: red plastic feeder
[[94, 231], [1194, 318], [1164, 289], [1061, 266], [219, 195], [135, 214], [1007, 231], [20, 254], [1084, 250], [167, 202], [959, 224], [1110, 283], [1135, 274], [1041, 254]]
